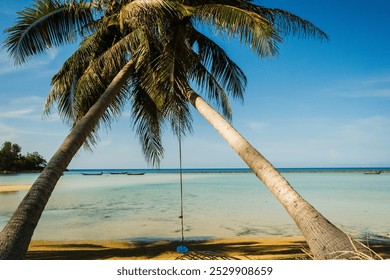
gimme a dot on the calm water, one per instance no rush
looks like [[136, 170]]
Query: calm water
[[216, 205]]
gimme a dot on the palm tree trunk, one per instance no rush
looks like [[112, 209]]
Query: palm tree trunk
[[16, 235], [325, 240]]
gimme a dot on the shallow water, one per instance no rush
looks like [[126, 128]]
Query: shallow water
[[216, 205]]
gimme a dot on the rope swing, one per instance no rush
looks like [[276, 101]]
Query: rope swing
[[181, 248]]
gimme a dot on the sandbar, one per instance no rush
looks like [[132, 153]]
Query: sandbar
[[14, 188]]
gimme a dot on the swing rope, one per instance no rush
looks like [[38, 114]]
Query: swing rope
[[181, 248], [193, 255], [181, 192]]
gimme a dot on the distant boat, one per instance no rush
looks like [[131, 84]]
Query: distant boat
[[92, 173], [135, 173], [373, 172], [117, 173]]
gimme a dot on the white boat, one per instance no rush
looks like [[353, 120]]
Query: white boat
[[92, 173], [372, 172]]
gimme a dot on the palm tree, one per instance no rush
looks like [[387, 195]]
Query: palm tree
[[151, 54]]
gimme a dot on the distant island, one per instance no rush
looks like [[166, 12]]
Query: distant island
[[12, 161]]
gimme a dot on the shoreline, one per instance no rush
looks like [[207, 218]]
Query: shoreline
[[5, 172], [262, 248]]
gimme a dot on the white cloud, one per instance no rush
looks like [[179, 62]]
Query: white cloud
[[7, 66], [257, 126], [27, 100], [21, 113], [28, 107], [52, 53], [371, 128], [365, 87], [8, 133]]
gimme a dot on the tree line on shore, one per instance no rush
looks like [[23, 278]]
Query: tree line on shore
[[12, 161]]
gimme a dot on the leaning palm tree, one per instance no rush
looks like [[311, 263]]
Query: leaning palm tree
[[152, 54]]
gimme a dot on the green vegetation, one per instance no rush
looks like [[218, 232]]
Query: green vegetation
[[11, 160]]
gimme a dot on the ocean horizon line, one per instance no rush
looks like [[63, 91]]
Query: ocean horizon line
[[228, 170]]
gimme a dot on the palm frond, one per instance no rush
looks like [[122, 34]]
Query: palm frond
[[64, 83], [209, 85], [284, 22], [48, 24], [173, 69], [81, 80], [251, 28], [111, 114], [173, 78], [289, 24], [178, 113], [86, 75], [226, 71], [100, 71], [211, 80], [147, 120]]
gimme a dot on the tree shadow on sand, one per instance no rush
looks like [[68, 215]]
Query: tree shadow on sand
[[50, 250], [165, 250]]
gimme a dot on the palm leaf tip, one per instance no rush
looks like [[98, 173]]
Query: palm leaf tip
[[290, 24], [252, 28], [47, 24]]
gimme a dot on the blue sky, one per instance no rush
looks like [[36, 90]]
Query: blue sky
[[317, 104]]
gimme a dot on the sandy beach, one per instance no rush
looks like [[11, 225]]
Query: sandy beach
[[14, 188], [243, 248], [276, 248]]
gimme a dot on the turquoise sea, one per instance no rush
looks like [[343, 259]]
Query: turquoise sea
[[218, 203]]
